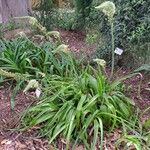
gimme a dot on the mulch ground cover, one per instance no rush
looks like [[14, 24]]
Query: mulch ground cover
[[15, 140]]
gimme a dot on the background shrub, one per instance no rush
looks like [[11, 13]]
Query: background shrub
[[83, 8], [132, 31], [132, 27]]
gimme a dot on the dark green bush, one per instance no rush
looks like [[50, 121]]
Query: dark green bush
[[43, 13], [83, 8], [132, 30], [132, 21], [63, 18]]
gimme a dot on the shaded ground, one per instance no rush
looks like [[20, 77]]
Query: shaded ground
[[76, 42], [7, 116], [10, 140], [138, 87]]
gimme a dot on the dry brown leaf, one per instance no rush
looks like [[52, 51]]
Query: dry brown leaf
[[6, 142], [19, 145], [80, 147]]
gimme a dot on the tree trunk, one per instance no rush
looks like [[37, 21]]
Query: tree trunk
[[13, 8], [1, 12]]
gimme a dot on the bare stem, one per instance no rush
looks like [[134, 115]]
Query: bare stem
[[113, 47]]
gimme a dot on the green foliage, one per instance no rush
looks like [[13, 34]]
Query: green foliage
[[44, 13], [91, 38], [132, 30], [58, 18], [22, 60], [14, 57], [137, 137], [132, 21], [83, 8], [52, 17], [80, 108], [137, 140], [23, 56], [63, 18], [78, 102], [144, 67]]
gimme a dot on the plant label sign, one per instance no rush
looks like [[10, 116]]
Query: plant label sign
[[37, 92], [118, 51]]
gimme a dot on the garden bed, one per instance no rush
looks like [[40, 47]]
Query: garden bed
[[15, 140]]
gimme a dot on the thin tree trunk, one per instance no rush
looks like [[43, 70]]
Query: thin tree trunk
[[13, 8], [1, 12]]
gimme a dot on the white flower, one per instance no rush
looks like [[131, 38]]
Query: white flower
[[64, 48], [108, 8], [101, 62]]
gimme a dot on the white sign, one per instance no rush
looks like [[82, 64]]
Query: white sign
[[118, 51], [38, 92]]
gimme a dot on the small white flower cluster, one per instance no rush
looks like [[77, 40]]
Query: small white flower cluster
[[100, 62], [33, 84], [63, 48], [108, 8]]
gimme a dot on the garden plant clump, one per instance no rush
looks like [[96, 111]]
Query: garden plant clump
[[77, 102]]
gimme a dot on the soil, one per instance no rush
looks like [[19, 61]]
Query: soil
[[76, 42], [14, 33], [15, 140]]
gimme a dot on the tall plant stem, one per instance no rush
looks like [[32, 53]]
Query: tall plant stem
[[112, 51]]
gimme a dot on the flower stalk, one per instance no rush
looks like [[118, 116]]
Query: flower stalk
[[109, 9], [113, 48]]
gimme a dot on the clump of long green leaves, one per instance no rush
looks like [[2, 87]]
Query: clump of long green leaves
[[137, 137], [14, 55], [21, 55], [78, 102], [80, 108]]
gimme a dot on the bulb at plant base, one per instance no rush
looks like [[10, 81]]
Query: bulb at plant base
[[64, 48], [100, 62], [108, 8], [32, 84]]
